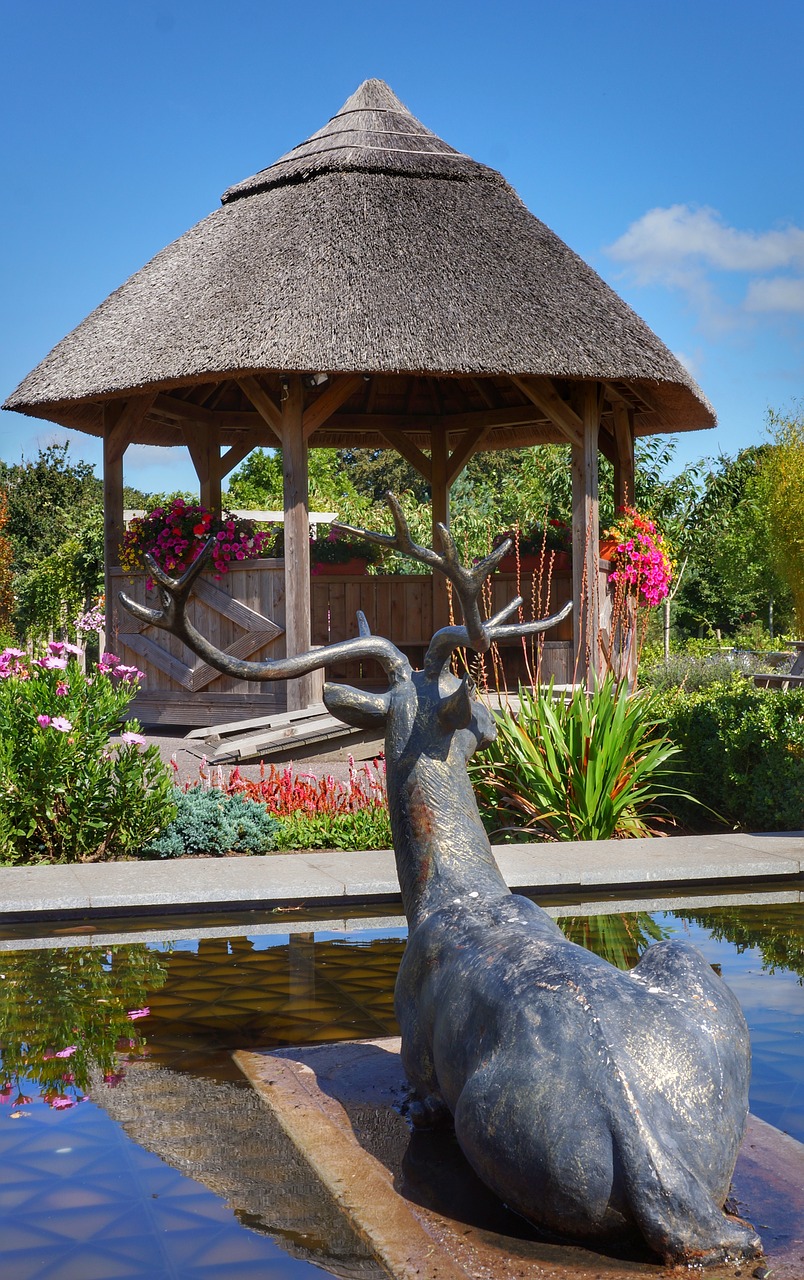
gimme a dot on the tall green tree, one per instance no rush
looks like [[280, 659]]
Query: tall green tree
[[48, 498], [778, 490]]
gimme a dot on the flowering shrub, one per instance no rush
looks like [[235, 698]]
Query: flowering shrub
[[67, 793], [642, 557], [176, 536]]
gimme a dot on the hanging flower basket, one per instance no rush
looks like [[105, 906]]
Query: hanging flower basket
[[641, 556], [176, 535]]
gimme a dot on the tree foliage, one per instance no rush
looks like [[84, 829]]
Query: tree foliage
[[778, 492]]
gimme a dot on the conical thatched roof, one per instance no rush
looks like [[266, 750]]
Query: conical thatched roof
[[371, 248]]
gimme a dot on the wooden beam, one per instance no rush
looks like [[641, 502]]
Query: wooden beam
[[238, 451], [121, 420], [409, 451], [323, 407], [606, 444], [544, 395], [184, 410], [263, 403], [463, 451], [525, 415], [624, 460], [585, 541]]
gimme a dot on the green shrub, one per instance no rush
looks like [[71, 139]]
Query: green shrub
[[210, 822], [364, 829], [590, 768], [685, 670], [66, 793], [743, 749]]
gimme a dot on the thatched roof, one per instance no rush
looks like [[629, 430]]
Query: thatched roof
[[371, 248]]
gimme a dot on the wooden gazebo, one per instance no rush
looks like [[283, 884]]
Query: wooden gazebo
[[372, 287]]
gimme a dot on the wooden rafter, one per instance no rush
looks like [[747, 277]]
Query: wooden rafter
[[266, 407], [121, 421], [177, 410], [543, 394], [647, 398]]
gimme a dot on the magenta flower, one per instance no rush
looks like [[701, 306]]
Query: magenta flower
[[44, 721], [134, 1014], [61, 689]]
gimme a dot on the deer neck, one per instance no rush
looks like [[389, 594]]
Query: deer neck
[[442, 850]]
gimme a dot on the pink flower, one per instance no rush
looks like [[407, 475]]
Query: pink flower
[[134, 1014], [44, 721], [61, 689], [59, 722], [133, 739], [68, 1052]]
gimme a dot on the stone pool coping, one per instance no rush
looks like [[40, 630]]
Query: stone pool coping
[[339, 879]]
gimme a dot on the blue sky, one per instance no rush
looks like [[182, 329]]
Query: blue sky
[[661, 139]]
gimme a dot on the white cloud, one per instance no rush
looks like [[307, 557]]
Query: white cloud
[[780, 293], [665, 245]]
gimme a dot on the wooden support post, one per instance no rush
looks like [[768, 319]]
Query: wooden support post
[[585, 541], [121, 418], [624, 460], [298, 635], [203, 444], [439, 489]]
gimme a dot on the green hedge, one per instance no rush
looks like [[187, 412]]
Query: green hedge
[[743, 748]]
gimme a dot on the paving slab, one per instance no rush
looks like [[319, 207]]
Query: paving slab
[[425, 1215], [332, 877]]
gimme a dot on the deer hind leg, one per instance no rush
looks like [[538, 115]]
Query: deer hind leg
[[675, 1212]]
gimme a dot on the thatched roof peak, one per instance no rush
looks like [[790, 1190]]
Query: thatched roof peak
[[372, 133]]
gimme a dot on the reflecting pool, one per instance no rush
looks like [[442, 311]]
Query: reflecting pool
[[125, 1128]]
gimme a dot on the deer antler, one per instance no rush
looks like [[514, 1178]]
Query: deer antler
[[467, 582], [475, 633], [172, 617]]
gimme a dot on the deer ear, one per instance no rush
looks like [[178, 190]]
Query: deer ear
[[455, 711], [356, 707]]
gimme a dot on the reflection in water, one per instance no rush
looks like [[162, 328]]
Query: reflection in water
[[618, 938], [61, 1011], [66, 1012], [777, 931]]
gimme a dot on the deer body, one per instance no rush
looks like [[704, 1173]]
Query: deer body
[[595, 1102]]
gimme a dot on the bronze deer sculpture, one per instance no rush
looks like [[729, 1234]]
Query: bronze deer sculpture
[[596, 1103]]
